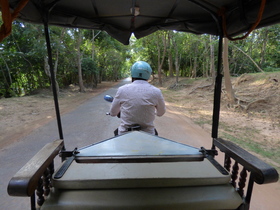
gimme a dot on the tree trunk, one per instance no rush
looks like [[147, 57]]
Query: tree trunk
[[170, 66], [176, 61], [228, 84], [249, 58], [264, 38], [47, 71], [212, 60], [8, 70], [79, 61], [96, 74], [194, 69], [170, 60], [189, 73], [93, 76], [161, 59], [159, 68], [47, 67], [205, 60], [55, 71], [7, 84]]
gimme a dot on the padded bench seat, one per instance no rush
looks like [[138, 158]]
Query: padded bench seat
[[163, 185], [134, 175], [201, 197]]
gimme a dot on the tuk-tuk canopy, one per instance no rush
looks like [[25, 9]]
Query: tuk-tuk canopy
[[121, 18]]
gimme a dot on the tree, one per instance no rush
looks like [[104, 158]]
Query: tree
[[79, 58], [56, 49], [264, 44], [112, 57], [212, 58], [90, 71], [170, 53], [249, 58], [177, 63], [161, 56], [228, 84], [23, 53]]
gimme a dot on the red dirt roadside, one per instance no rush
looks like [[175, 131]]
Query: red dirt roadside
[[21, 115]]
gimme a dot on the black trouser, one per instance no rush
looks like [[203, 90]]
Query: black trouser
[[116, 132]]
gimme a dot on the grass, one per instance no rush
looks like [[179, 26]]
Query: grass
[[245, 138], [202, 121], [248, 137]]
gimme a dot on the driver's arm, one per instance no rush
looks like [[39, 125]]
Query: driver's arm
[[160, 106], [116, 105]]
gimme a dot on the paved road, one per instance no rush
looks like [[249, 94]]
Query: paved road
[[83, 126], [89, 124]]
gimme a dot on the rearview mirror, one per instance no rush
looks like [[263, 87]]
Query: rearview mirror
[[108, 98]]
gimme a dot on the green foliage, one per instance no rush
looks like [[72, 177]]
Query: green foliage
[[112, 58], [261, 46], [23, 54], [89, 66]]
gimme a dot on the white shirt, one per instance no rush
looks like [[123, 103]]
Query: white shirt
[[138, 103]]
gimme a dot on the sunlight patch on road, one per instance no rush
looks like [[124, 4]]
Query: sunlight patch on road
[[205, 112]]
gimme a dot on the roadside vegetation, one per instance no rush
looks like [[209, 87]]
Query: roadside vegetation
[[256, 128], [88, 57]]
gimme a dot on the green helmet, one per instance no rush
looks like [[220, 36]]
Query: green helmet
[[141, 70]]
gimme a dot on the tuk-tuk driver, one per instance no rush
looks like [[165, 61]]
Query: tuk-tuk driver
[[138, 102]]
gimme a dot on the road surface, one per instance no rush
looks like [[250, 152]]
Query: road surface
[[89, 124]]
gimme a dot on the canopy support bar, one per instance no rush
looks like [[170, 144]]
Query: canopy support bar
[[217, 93], [53, 81], [219, 76]]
